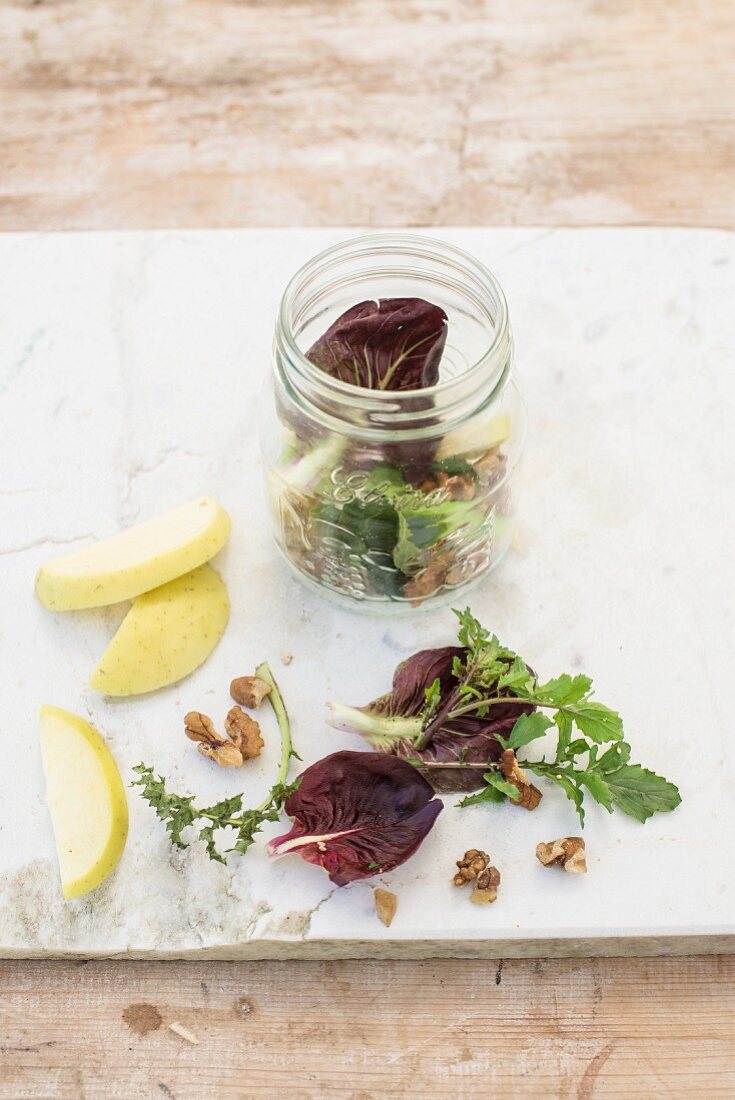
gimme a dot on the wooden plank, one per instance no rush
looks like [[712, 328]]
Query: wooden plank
[[218, 112], [587, 1028], [392, 112]]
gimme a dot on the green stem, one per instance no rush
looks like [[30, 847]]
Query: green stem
[[263, 672], [521, 699]]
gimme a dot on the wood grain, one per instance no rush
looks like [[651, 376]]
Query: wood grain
[[359, 1030], [372, 112]]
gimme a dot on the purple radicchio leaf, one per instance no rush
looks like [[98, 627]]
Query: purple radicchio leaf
[[357, 814], [391, 344], [468, 739]]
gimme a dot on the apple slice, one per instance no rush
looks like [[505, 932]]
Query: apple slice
[[166, 635], [135, 560], [86, 798], [476, 438]]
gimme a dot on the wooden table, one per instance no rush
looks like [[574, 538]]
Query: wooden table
[[375, 112]]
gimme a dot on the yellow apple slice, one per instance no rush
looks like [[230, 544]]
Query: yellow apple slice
[[135, 560], [166, 635], [86, 798], [476, 438]]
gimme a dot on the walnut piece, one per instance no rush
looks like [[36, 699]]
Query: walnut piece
[[198, 727], [386, 905], [249, 691], [486, 886], [490, 467], [568, 852], [455, 487], [244, 732], [474, 867], [529, 796], [472, 863], [430, 579]]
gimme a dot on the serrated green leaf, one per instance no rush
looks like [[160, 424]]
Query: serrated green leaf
[[497, 790], [487, 794], [529, 727], [598, 788], [640, 792], [617, 755], [596, 721], [574, 793], [471, 632], [563, 690], [516, 677], [496, 780], [564, 724]]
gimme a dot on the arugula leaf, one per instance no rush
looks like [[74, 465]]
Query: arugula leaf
[[640, 792], [518, 677], [563, 690], [563, 722], [472, 634], [529, 727], [455, 467], [598, 788], [597, 721], [497, 790], [405, 552], [617, 755]]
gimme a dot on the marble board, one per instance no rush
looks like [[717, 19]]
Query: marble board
[[130, 365]]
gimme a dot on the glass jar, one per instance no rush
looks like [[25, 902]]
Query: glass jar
[[391, 500]]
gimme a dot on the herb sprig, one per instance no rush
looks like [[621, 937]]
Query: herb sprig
[[591, 755], [177, 812]]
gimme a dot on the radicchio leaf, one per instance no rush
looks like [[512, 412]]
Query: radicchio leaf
[[467, 739], [391, 344], [358, 814]]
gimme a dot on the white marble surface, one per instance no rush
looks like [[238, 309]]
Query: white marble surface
[[129, 366]]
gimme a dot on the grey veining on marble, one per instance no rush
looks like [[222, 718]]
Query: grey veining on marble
[[129, 369]]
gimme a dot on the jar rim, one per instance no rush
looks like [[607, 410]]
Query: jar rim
[[490, 365]]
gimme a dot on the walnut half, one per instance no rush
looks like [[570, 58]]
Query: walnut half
[[198, 727], [244, 731], [529, 796], [249, 691], [486, 886], [568, 852]]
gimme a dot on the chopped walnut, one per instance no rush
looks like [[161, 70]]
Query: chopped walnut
[[431, 577], [529, 796], [490, 467], [249, 691], [568, 852], [486, 886], [456, 486], [386, 905], [472, 863], [198, 727], [244, 732], [286, 658], [475, 867], [461, 487]]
